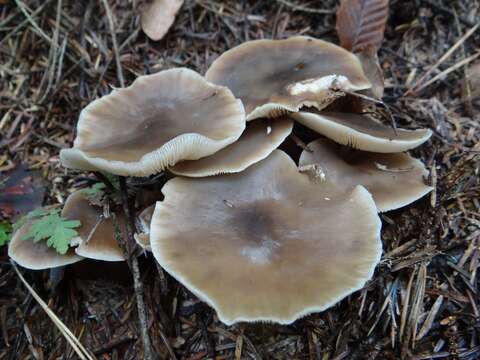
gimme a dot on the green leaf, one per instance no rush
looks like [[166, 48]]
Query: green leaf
[[57, 230], [5, 232], [31, 215]]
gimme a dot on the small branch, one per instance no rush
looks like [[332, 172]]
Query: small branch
[[114, 42], [105, 180], [137, 283]]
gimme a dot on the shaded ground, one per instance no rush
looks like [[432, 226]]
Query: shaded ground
[[422, 302]]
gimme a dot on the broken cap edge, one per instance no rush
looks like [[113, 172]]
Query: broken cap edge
[[405, 202], [331, 86], [359, 191]]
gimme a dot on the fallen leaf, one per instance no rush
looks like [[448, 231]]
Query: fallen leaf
[[157, 16], [361, 23], [20, 192], [374, 73]]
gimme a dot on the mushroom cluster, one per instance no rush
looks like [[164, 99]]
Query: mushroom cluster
[[245, 228]]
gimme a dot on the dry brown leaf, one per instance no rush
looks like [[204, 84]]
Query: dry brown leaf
[[374, 73], [157, 16], [361, 23]]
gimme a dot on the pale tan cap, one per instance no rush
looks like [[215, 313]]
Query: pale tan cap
[[96, 234], [37, 255], [362, 132], [394, 180], [259, 139], [272, 77], [266, 244], [156, 122]]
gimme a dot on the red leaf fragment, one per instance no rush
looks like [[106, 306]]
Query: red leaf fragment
[[20, 192], [361, 23]]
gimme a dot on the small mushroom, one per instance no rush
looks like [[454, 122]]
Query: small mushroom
[[96, 234], [394, 180], [37, 255], [266, 244], [273, 77], [259, 139], [142, 237], [362, 132], [156, 122], [158, 16]]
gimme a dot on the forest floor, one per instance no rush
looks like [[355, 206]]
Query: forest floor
[[422, 303]]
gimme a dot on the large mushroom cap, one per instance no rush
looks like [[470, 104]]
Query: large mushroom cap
[[156, 122], [394, 180], [259, 139], [274, 76], [37, 255], [362, 132], [96, 234], [266, 244]]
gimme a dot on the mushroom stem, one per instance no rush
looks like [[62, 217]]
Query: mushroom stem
[[133, 262], [104, 180]]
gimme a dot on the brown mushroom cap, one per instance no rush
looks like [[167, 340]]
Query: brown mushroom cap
[[266, 244], [96, 234], [275, 76], [156, 122], [37, 255], [361, 132], [394, 180], [259, 139], [157, 17]]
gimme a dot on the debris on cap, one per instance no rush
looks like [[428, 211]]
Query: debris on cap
[[259, 139], [37, 255], [96, 233], [273, 77], [159, 120], [394, 180], [362, 132], [266, 244]]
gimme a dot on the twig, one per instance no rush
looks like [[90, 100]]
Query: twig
[[52, 55], [137, 283], [114, 42], [437, 5], [105, 180], [31, 21], [296, 7], [444, 57], [113, 344], [379, 102], [449, 70], [25, 22], [69, 336]]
